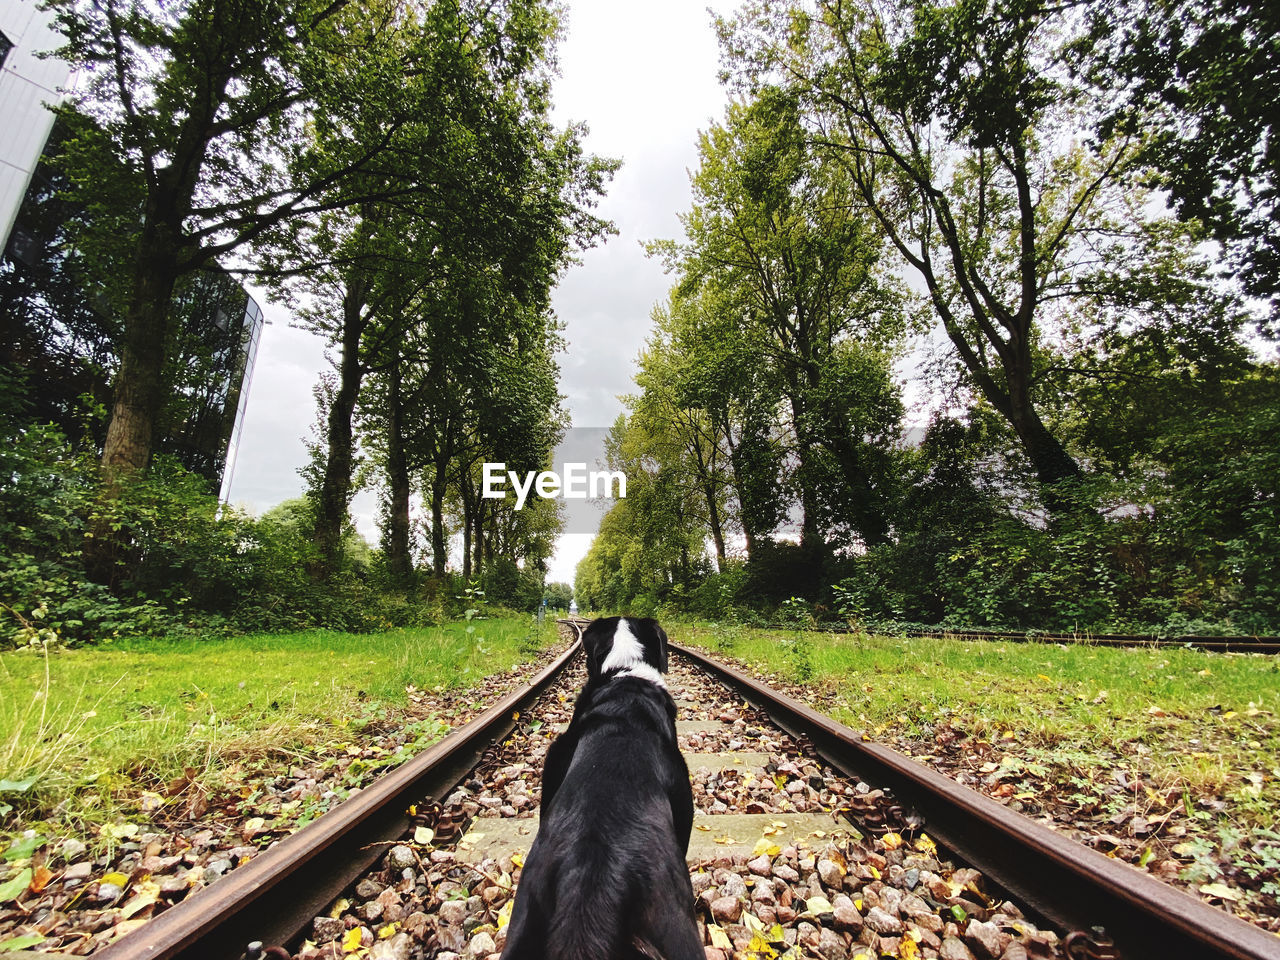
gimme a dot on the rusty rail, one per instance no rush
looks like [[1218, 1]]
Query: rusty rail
[[1075, 887], [271, 898]]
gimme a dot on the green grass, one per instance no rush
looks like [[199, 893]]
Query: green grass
[[85, 726], [1203, 719]]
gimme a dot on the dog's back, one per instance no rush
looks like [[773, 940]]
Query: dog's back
[[606, 878]]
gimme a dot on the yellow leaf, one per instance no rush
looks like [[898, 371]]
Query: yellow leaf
[[423, 835], [759, 947], [504, 915], [702, 826], [1220, 891], [119, 879], [726, 839], [351, 942], [925, 844], [719, 939], [891, 841], [517, 860], [907, 949], [764, 846], [338, 907], [818, 905], [875, 874], [1044, 678], [388, 931]]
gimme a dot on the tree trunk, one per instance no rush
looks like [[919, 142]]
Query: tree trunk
[[439, 548], [812, 547], [139, 383], [138, 395], [748, 527], [713, 518], [468, 529], [399, 563], [334, 496]]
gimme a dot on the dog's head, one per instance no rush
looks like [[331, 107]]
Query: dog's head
[[619, 643]]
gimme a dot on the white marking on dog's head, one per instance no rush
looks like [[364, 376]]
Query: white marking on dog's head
[[645, 672], [625, 651]]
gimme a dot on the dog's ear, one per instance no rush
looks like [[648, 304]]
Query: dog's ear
[[662, 646], [594, 645]]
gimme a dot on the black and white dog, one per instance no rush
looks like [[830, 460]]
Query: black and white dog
[[606, 877]]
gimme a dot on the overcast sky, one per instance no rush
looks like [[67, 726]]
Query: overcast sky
[[642, 76]]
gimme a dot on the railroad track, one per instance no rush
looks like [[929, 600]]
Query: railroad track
[[808, 838], [1234, 644]]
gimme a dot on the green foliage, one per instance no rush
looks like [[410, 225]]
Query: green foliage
[[557, 595], [180, 562], [1198, 80]]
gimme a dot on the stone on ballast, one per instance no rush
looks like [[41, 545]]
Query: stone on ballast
[[885, 924], [726, 909], [983, 939]]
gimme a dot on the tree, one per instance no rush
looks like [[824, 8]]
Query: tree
[[1199, 80], [964, 135], [239, 121], [445, 279], [780, 233]]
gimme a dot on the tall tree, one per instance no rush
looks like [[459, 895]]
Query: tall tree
[[963, 132], [459, 270], [1200, 80], [213, 104], [784, 232]]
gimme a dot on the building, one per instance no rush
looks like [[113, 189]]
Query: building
[[27, 83], [61, 307]]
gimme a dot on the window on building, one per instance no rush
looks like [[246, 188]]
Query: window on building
[[5, 46]]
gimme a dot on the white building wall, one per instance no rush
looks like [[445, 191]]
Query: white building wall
[[27, 83]]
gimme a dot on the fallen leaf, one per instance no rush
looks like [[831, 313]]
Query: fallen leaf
[[23, 848], [818, 906], [763, 846], [16, 887], [351, 942], [21, 943], [504, 915], [40, 878], [1219, 891], [339, 906], [119, 879], [252, 827], [719, 939], [1156, 712], [423, 835]]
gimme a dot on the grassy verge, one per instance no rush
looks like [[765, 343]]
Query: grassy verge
[[83, 731], [1168, 758]]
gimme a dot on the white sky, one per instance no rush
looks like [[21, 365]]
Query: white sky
[[642, 75]]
